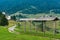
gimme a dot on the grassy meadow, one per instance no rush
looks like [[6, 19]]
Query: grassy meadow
[[29, 34]]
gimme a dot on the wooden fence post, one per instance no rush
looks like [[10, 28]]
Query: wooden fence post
[[43, 26], [25, 26], [30, 26]]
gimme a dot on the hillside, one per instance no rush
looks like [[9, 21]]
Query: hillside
[[21, 35], [35, 6], [38, 15], [6, 35]]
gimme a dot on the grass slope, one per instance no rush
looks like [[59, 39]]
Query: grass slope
[[5, 35]]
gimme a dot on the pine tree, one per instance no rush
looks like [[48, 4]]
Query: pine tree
[[3, 20]]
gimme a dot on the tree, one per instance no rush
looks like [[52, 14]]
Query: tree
[[3, 20], [13, 17]]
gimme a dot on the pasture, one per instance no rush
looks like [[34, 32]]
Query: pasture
[[23, 32]]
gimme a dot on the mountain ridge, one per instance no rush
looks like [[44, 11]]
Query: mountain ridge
[[12, 6]]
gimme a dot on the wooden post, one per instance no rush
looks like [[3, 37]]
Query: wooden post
[[25, 27], [54, 28], [43, 26], [30, 26], [35, 28]]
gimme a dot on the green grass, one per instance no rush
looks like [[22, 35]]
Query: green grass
[[33, 32], [28, 35], [5, 35]]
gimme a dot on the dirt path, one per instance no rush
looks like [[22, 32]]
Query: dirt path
[[11, 29]]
